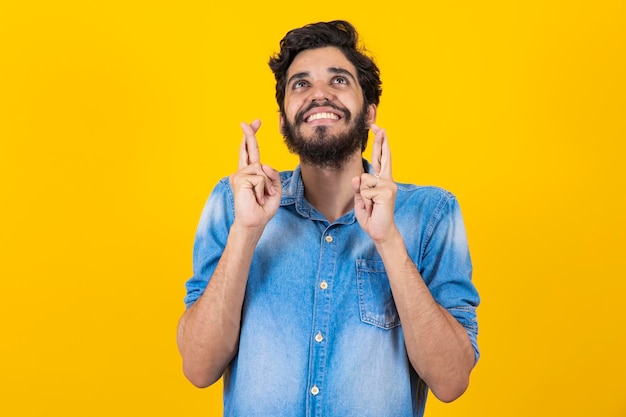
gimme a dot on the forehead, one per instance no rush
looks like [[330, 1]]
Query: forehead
[[320, 60]]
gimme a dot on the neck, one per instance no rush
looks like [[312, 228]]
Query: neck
[[329, 190]]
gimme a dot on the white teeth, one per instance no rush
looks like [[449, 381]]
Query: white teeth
[[318, 116]]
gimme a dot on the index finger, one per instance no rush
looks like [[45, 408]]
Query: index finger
[[249, 150], [381, 153]]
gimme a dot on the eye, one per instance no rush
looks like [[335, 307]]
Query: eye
[[340, 80], [299, 84]]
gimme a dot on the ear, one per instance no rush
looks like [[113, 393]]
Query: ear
[[371, 114], [281, 121]]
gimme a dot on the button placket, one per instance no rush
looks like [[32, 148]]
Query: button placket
[[321, 316]]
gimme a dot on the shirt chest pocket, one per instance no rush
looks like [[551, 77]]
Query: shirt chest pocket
[[376, 305]]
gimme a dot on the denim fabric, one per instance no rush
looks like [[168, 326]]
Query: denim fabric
[[320, 334]]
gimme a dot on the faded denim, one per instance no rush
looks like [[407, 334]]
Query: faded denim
[[320, 334]]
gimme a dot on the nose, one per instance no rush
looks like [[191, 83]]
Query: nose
[[321, 92]]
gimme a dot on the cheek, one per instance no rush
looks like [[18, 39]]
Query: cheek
[[355, 101], [291, 109]]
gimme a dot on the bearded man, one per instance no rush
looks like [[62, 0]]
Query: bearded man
[[330, 290]]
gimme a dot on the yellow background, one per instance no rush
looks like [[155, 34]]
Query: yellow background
[[117, 118]]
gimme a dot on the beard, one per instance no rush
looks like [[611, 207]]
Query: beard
[[322, 149]]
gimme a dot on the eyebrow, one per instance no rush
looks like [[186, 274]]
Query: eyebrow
[[297, 75], [332, 70], [342, 71]]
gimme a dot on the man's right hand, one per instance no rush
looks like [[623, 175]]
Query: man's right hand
[[257, 187]]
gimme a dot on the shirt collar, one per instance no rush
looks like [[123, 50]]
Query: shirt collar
[[293, 193]]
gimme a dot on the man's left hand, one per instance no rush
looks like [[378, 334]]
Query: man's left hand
[[375, 194]]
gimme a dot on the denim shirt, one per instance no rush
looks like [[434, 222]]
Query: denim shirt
[[320, 334]]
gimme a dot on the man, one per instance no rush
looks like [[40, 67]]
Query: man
[[329, 290]]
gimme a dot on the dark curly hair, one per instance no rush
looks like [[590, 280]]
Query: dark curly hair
[[337, 33]]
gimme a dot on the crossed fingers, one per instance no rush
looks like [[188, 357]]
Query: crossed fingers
[[249, 150], [262, 178], [375, 193], [381, 155]]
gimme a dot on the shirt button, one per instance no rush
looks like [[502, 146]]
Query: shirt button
[[329, 238], [323, 285], [319, 337], [315, 390]]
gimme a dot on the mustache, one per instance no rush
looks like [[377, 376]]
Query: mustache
[[344, 112]]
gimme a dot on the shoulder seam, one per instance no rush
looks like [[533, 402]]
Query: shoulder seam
[[446, 196]]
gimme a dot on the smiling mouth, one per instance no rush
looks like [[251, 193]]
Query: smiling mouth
[[322, 116]]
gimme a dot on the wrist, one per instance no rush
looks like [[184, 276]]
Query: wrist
[[245, 234], [392, 243]]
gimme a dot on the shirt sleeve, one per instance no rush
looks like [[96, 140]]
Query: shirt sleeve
[[447, 267], [210, 240]]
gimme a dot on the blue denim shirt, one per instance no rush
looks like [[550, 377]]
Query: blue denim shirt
[[320, 334]]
